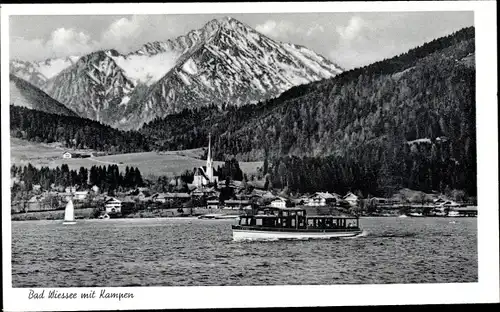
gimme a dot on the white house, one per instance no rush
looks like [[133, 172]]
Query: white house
[[66, 155], [351, 199], [70, 189], [279, 202], [213, 203], [113, 205], [321, 199], [95, 189], [159, 198], [81, 195]]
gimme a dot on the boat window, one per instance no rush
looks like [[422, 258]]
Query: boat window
[[258, 222], [293, 223], [243, 221], [310, 222], [285, 213], [300, 213], [341, 223], [319, 223], [328, 223], [283, 222], [269, 222]]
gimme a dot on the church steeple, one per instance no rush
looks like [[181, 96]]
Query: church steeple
[[210, 170]]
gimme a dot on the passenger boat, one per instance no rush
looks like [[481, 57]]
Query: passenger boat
[[293, 223]]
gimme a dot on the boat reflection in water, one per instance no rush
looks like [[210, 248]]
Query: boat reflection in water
[[293, 223]]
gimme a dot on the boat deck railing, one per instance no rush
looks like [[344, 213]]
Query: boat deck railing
[[288, 229]]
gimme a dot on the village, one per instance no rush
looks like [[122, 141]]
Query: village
[[207, 195]]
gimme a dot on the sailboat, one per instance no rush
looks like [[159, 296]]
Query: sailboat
[[69, 213]]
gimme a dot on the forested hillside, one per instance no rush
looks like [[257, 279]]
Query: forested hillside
[[23, 93], [73, 132], [404, 122]]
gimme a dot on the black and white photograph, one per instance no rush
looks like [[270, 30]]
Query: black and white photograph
[[158, 156]]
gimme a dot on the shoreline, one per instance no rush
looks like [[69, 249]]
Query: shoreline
[[59, 215]]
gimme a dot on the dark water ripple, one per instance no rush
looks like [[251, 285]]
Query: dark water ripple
[[181, 252]]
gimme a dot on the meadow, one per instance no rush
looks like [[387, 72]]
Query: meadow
[[151, 164]]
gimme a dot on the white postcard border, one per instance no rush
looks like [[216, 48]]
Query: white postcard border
[[486, 290]]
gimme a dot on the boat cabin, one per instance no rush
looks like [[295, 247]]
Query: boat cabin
[[295, 218]]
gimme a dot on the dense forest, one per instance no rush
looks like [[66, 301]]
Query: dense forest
[[404, 122], [108, 179], [73, 132]]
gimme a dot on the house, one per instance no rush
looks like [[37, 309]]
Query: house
[[205, 175], [268, 196], [66, 155], [35, 199], [280, 202], [203, 191], [251, 197], [99, 198], [70, 189], [113, 205], [446, 203], [80, 195], [175, 181], [322, 199], [351, 199], [380, 201], [465, 211], [170, 197], [213, 202], [236, 204], [95, 189], [159, 198]]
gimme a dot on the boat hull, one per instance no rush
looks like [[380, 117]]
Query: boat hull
[[242, 234], [69, 222]]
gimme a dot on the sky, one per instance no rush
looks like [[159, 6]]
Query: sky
[[348, 39]]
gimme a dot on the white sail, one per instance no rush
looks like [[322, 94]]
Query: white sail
[[69, 213]]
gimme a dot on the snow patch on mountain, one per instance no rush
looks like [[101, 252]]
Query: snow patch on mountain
[[190, 67], [55, 66], [147, 69]]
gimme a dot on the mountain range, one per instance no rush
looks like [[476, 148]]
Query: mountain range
[[226, 63]]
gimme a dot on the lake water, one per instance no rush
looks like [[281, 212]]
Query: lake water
[[187, 252]]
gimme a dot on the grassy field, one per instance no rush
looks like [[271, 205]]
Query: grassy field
[[85, 213], [151, 164]]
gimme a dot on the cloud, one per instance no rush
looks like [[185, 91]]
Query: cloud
[[62, 42], [123, 30], [121, 34], [286, 29], [65, 42], [352, 30]]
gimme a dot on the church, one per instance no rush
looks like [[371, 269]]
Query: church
[[204, 176]]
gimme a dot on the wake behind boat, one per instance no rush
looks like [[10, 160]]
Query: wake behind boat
[[416, 215], [293, 223], [69, 213], [218, 216]]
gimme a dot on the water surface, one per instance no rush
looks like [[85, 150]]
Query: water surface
[[192, 252]]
